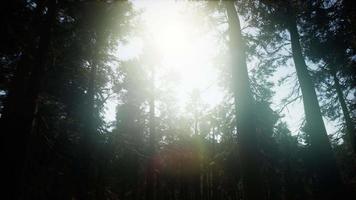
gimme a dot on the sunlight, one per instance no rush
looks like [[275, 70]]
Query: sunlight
[[184, 46], [188, 49], [171, 39]]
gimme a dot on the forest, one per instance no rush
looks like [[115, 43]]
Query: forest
[[178, 99]]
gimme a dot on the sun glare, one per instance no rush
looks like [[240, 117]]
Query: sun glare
[[171, 39], [184, 46]]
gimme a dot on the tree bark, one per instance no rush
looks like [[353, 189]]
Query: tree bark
[[329, 180], [248, 150], [348, 121]]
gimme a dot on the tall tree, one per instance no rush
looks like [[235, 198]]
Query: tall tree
[[283, 15], [328, 39], [244, 104], [20, 108], [151, 192]]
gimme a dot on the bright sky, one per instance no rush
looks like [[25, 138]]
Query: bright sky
[[186, 47]]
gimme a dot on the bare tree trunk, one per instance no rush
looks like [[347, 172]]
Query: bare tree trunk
[[329, 180], [248, 149], [348, 121], [151, 179]]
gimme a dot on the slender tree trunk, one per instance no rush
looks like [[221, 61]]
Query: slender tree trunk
[[248, 149], [213, 169], [348, 121], [152, 111], [151, 178], [329, 180]]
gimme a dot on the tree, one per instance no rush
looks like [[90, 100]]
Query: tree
[[328, 40], [284, 16], [21, 105], [244, 102]]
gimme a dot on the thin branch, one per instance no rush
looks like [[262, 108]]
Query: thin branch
[[289, 102]]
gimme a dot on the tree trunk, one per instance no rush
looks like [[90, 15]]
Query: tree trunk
[[20, 107], [348, 121], [151, 178], [329, 181], [248, 149]]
